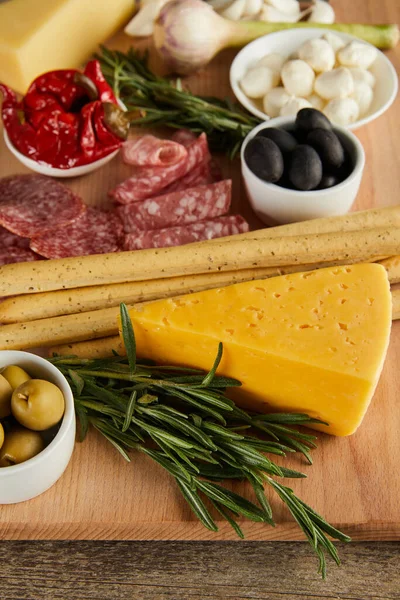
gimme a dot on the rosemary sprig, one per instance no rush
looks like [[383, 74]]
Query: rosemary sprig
[[161, 102], [182, 419]]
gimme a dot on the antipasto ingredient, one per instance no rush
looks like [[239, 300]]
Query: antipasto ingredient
[[282, 138], [305, 171], [275, 100], [264, 159], [14, 255], [310, 119], [337, 83], [5, 397], [291, 108], [1, 435], [298, 78], [15, 376], [321, 12], [356, 54], [95, 232], [319, 54], [328, 147], [33, 204], [150, 151], [38, 404], [342, 111], [259, 81], [20, 445]]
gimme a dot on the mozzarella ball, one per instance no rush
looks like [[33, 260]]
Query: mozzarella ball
[[235, 11], [342, 111], [273, 61], [362, 76], [318, 54], [334, 84], [357, 54], [253, 7], [333, 40], [322, 12], [291, 108], [287, 7], [316, 101], [298, 78], [363, 95], [259, 81], [274, 101]]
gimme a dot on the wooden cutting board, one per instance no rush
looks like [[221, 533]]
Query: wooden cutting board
[[354, 482]]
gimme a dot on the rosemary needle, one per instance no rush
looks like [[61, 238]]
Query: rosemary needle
[[182, 419]]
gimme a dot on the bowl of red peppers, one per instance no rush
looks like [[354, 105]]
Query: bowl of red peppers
[[68, 123]]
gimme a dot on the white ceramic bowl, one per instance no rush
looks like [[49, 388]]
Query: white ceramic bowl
[[287, 42], [35, 476], [281, 205], [52, 171]]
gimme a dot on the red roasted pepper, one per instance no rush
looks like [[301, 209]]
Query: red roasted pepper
[[62, 121]]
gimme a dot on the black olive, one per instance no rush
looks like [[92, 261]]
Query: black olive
[[283, 139], [305, 171], [328, 181], [328, 146], [308, 119], [264, 159]]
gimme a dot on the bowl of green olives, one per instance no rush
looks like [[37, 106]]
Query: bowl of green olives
[[37, 425], [299, 168]]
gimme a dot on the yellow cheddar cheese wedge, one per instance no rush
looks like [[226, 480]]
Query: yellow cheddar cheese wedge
[[42, 35], [309, 342]]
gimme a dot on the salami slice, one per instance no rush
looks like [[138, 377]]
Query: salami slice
[[184, 137], [178, 236], [149, 151], [177, 208], [200, 175], [32, 204], [96, 232], [8, 239], [15, 254], [149, 181]]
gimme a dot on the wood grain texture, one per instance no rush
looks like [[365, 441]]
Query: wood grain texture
[[354, 481], [194, 571]]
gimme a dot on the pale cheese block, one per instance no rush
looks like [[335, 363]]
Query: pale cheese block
[[310, 342], [44, 35]]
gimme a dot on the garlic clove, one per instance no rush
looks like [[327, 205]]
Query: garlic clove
[[143, 22], [291, 108], [357, 54], [273, 61], [318, 54], [235, 11], [333, 40], [274, 101], [321, 12], [362, 76], [342, 111], [259, 81], [272, 15], [253, 7], [298, 78], [337, 83], [316, 101], [286, 7], [363, 95]]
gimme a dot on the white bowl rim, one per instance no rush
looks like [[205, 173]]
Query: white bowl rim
[[282, 121], [242, 98], [39, 167], [67, 420]]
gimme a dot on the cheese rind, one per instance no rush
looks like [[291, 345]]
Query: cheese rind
[[36, 37], [310, 342]]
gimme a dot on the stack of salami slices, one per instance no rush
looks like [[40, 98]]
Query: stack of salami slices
[[176, 195]]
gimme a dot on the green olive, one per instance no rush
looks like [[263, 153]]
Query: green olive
[[5, 397], [15, 376], [1, 435], [20, 445], [37, 404]]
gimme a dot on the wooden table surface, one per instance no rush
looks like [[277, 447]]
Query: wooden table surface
[[211, 570]]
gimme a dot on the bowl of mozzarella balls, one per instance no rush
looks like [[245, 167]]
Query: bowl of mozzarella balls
[[349, 80]]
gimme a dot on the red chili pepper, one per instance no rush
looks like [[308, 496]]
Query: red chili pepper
[[61, 120]]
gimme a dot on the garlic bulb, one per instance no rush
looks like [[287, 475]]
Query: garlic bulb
[[322, 12], [273, 61], [234, 11], [274, 101], [316, 101], [253, 8], [362, 76], [333, 40], [342, 111], [291, 108], [318, 54], [259, 81], [357, 54], [298, 78], [337, 83], [363, 95]]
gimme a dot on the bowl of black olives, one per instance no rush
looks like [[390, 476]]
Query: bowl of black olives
[[37, 425], [303, 167]]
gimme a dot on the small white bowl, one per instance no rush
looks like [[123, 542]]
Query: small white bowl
[[52, 171], [288, 42], [36, 475], [282, 205]]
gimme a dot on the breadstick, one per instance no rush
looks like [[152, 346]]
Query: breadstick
[[392, 266]]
